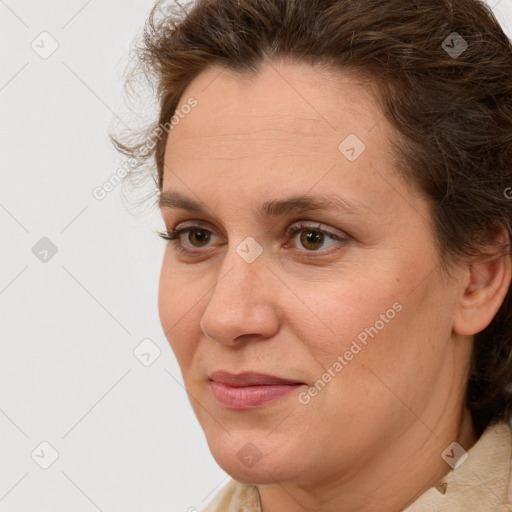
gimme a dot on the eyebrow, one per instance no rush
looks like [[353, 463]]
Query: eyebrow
[[270, 209]]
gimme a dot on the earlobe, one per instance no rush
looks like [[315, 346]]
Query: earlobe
[[486, 284]]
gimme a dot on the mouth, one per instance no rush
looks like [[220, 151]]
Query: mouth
[[249, 390]]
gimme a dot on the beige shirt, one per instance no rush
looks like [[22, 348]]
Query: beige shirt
[[479, 484]]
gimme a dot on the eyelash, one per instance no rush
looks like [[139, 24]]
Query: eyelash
[[174, 236]]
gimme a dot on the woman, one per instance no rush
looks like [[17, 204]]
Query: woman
[[335, 180]]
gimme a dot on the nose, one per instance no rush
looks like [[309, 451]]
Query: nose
[[243, 303]]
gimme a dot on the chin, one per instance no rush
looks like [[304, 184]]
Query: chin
[[259, 474], [257, 462]]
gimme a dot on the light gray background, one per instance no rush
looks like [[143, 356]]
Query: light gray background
[[126, 436]]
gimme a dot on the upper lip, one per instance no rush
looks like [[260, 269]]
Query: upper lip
[[248, 379]]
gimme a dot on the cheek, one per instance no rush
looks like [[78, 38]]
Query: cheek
[[392, 343], [341, 313], [178, 309], [360, 335]]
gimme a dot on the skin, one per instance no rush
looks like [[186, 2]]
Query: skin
[[372, 439]]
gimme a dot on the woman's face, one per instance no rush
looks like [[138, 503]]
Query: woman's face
[[352, 307]]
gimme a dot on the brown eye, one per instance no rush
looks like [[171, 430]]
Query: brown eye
[[315, 239], [312, 239], [189, 239], [198, 237]]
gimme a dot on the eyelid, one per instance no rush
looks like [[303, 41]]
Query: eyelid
[[194, 224], [290, 230], [314, 226]]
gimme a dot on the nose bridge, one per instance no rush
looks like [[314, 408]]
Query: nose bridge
[[240, 303], [243, 269]]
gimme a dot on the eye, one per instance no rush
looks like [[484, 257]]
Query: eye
[[312, 237], [197, 237]]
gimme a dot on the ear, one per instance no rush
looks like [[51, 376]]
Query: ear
[[486, 283]]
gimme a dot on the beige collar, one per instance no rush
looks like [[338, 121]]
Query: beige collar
[[479, 484]]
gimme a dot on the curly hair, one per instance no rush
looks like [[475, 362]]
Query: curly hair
[[442, 70]]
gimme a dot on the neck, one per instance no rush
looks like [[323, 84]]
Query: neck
[[390, 482]]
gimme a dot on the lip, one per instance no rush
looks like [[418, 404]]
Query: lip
[[248, 379], [249, 390]]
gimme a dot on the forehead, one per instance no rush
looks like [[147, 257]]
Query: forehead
[[298, 98], [284, 129]]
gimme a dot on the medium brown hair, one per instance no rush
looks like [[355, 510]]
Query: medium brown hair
[[452, 112]]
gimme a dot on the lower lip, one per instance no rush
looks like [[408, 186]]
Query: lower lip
[[249, 397]]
